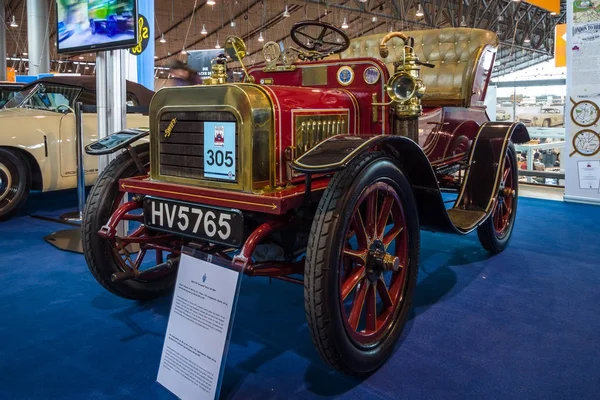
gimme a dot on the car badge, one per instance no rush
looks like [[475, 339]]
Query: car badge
[[219, 135], [170, 127], [371, 75], [345, 75]]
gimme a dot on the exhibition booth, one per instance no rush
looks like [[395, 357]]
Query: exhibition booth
[[299, 199]]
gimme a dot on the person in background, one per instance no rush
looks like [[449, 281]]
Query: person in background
[[183, 74]]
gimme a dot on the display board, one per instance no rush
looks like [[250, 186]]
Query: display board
[[95, 25], [195, 347], [200, 60], [582, 119]]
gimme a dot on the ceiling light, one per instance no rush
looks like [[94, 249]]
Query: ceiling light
[[232, 24], [162, 38], [211, 2], [155, 57], [362, 1], [13, 22], [217, 46], [81, 57], [345, 24], [552, 12], [419, 12], [183, 51], [203, 31], [463, 23], [25, 53], [86, 67], [261, 38], [374, 19], [527, 39], [286, 13]]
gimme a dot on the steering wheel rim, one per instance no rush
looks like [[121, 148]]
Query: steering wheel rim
[[61, 106], [319, 43]]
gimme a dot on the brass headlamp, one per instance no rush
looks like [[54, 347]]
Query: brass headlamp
[[405, 87]]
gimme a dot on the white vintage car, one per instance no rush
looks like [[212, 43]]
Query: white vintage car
[[37, 136], [546, 117]]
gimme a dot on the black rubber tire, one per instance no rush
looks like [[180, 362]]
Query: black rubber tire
[[97, 251], [321, 278], [17, 170], [546, 123], [486, 231]]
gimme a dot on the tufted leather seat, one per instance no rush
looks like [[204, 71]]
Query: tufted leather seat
[[462, 58]]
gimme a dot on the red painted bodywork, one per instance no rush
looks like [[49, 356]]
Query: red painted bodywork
[[441, 131]]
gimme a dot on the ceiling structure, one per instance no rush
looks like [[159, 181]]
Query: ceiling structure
[[526, 32]]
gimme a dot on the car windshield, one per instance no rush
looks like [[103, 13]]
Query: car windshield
[[45, 97]]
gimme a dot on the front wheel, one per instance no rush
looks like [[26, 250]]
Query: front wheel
[[495, 233], [133, 245], [361, 264], [15, 183]]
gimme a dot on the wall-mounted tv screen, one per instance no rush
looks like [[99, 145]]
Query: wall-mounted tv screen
[[95, 25]]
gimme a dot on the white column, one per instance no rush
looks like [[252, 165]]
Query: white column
[[37, 37]]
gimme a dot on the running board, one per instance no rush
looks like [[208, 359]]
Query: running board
[[466, 220]]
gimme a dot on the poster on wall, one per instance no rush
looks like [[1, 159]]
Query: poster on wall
[[582, 121], [589, 174]]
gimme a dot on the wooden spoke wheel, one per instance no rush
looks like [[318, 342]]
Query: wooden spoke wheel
[[127, 259], [361, 264], [495, 233]]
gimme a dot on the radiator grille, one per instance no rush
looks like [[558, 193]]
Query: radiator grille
[[181, 146]]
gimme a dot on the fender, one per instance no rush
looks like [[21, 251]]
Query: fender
[[477, 192], [116, 141]]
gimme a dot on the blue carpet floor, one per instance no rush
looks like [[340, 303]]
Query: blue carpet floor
[[522, 325]]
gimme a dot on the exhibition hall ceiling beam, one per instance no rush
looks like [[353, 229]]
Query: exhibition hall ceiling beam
[[181, 20]]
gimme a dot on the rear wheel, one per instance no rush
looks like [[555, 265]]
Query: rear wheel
[[105, 257], [361, 265], [15, 183], [546, 123], [495, 233]]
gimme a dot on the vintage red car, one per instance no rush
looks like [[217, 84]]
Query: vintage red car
[[335, 161]]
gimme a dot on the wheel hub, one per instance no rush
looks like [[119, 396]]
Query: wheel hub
[[5, 181], [379, 261]]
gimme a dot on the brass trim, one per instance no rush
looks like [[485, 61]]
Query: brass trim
[[345, 68], [314, 76], [245, 101]]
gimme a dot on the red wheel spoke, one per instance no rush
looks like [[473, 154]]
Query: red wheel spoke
[[357, 304], [371, 308], [506, 173], [386, 208], [351, 282], [357, 256], [360, 230], [139, 258], [372, 213], [384, 293], [392, 234]]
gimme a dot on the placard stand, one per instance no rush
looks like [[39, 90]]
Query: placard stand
[[70, 239], [200, 324]]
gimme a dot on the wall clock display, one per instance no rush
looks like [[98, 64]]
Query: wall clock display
[[585, 113], [586, 142]]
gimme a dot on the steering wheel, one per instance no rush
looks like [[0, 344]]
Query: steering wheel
[[310, 35], [63, 108]]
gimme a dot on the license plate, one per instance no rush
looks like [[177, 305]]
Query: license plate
[[217, 225]]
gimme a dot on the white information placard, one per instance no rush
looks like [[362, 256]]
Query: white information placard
[[198, 330], [589, 174]]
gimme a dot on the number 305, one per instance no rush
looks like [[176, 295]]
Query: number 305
[[220, 158]]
